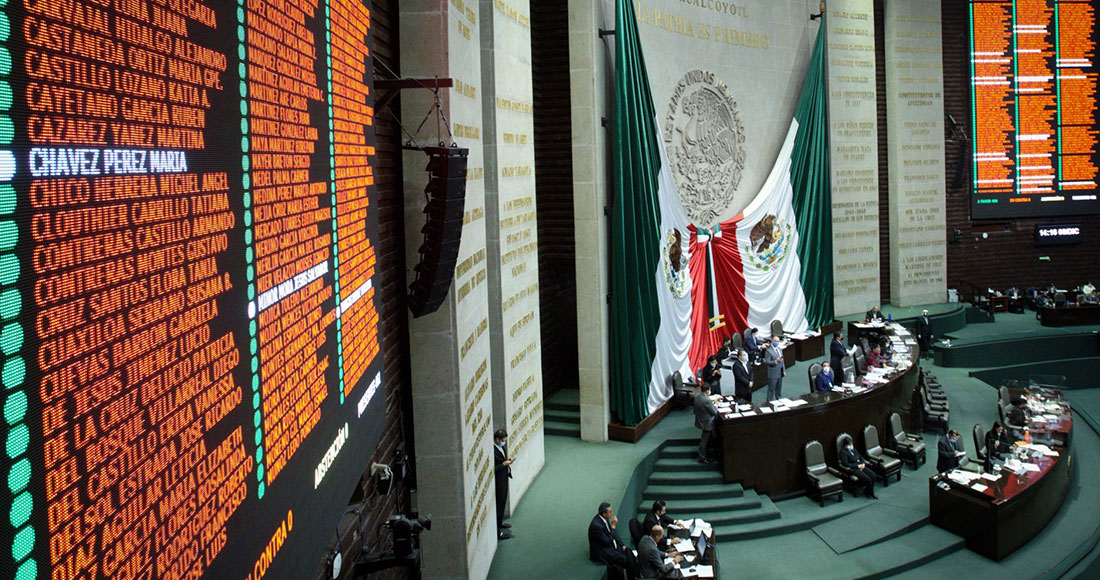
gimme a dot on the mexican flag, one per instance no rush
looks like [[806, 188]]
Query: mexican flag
[[678, 288]]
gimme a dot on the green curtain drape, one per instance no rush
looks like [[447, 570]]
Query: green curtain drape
[[812, 196], [635, 222]]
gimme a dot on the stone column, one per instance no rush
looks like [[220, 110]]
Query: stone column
[[588, 88], [449, 349], [512, 255], [914, 113], [853, 144]]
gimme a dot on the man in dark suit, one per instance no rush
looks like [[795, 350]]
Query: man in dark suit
[[837, 352], [875, 314], [824, 379], [705, 412], [502, 466], [857, 465], [1017, 419], [651, 558], [657, 517], [997, 445], [773, 357], [604, 544], [950, 450], [742, 379], [924, 334], [752, 345], [724, 352]]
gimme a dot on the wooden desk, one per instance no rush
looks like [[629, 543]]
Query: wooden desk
[[999, 303], [1069, 315], [1014, 508], [764, 451], [810, 348]]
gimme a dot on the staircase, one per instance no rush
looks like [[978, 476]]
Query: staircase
[[562, 414], [693, 489]]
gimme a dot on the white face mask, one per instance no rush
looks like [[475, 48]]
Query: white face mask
[[825, 369]]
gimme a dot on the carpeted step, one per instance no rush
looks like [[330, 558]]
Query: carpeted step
[[906, 552], [686, 478], [564, 400], [562, 416], [678, 464], [561, 428], [788, 524], [704, 507], [725, 520], [673, 451], [678, 492]]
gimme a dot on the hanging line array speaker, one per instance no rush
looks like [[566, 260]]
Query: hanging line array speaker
[[446, 192]]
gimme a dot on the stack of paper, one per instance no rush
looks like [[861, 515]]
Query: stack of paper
[[684, 546], [991, 476], [744, 407], [979, 487], [698, 572]]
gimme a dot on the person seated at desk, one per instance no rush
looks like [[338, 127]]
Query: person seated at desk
[[997, 445], [658, 516], [604, 544], [712, 372], [950, 450], [724, 352], [1091, 298], [875, 314], [837, 352], [1017, 419], [752, 346], [852, 460], [874, 359], [824, 380], [651, 557], [742, 379], [1088, 288]]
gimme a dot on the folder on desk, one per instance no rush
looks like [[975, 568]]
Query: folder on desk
[[684, 546]]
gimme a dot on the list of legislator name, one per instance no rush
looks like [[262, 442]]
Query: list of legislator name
[[914, 113], [174, 209], [517, 267], [853, 143], [1034, 108]]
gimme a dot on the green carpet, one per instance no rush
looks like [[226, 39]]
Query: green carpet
[[887, 538]]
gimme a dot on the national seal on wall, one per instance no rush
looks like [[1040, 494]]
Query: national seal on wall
[[706, 145]]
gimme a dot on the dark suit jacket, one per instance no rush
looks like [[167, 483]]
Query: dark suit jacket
[[705, 411], [722, 354], [750, 344], [503, 472], [947, 460], [996, 445], [651, 562], [850, 458], [875, 315], [837, 352], [742, 376], [604, 543], [651, 520], [824, 382], [924, 329]]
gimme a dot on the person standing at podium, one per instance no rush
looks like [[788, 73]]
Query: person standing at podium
[[742, 379], [773, 357], [950, 450], [924, 334], [705, 412], [837, 352]]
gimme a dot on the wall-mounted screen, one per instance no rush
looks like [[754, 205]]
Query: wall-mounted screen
[[1033, 99], [188, 334]]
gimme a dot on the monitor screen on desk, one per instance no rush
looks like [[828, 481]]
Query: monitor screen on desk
[[701, 547]]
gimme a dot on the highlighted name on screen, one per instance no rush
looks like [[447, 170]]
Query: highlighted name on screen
[[91, 162]]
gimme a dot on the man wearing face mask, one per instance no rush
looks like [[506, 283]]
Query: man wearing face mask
[[950, 450], [773, 357], [824, 380], [742, 379], [853, 461]]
